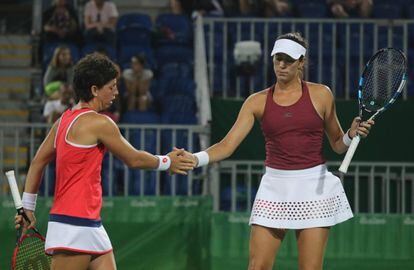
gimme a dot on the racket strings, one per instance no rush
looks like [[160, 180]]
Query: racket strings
[[383, 78], [31, 255]]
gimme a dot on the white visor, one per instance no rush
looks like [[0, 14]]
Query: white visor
[[289, 47]]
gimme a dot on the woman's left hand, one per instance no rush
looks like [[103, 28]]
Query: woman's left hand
[[360, 127]]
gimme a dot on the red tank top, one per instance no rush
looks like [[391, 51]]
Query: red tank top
[[293, 134], [78, 191]]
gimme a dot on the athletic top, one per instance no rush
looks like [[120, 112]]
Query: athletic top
[[293, 134], [78, 191]]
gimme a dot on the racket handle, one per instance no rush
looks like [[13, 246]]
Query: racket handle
[[349, 154], [14, 189]]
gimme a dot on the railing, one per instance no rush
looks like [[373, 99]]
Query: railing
[[338, 50], [19, 143], [371, 187]]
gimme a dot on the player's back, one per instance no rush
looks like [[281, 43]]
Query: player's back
[[78, 191]]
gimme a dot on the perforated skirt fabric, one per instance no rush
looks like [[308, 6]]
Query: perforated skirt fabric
[[299, 199]]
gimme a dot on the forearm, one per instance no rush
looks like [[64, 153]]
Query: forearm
[[142, 160], [219, 151], [34, 176], [341, 143]]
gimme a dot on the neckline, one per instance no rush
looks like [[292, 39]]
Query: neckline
[[293, 104]]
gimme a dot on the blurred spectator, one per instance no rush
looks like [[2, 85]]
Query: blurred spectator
[[250, 7], [350, 8], [59, 100], [266, 8], [137, 81], [60, 23], [100, 21], [276, 8], [60, 67], [181, 7], [208, 7]]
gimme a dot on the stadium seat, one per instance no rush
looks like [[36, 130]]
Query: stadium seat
[[134, 29], [387, 11], [173, 29], [126, 52], [174, 53], [312, 10], [93, 47]]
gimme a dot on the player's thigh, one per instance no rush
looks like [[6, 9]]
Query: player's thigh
[[264, 244], [103, 262], [70, 261], [311, 247]]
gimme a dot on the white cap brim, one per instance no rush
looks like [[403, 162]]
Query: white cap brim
[[289, 47]]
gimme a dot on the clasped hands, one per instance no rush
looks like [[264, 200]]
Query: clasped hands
[[181, 161]]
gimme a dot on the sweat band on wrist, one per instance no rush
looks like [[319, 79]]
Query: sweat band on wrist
[[164, 163], [29, 201], [346, 139], [203, 158]]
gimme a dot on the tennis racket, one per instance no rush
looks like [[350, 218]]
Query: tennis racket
[[29, 253], [382, 81]]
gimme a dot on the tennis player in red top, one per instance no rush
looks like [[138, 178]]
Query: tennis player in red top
[[297, 191], [75, 236]]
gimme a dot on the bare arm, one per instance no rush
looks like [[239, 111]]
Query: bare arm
[[44, 155], [237, 133], [108, 133], [333, 128]]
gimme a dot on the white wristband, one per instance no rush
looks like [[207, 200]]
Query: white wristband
[[346, 139], [203, 158], [29, 201], [164, 163]]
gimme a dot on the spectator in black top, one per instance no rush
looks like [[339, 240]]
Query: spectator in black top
[[60, 23]]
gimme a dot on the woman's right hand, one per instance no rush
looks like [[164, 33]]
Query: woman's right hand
[[18, 221], [180, 163]]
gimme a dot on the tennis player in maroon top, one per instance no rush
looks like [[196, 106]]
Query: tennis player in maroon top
[[297, 191], [75, 236]]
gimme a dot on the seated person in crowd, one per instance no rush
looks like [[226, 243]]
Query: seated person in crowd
[[276, 8], [137, 82], [350, 8], [100, 19], [266, 8], [208, 8], [60, 23], [60, 98], [60, 67]]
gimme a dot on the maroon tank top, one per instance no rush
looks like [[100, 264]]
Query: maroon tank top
[[293, 134]]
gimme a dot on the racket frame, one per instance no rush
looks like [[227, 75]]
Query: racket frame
[[355, 141]]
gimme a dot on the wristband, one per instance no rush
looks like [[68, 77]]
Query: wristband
[[346, 139], [164, 163], [203, 158], [29, 201]]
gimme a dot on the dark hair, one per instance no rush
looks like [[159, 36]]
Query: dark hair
[[93, 69], [296, 37], [142, 59]]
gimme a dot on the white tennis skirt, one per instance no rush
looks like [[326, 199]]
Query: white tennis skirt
[[67, 237], [299, 199]]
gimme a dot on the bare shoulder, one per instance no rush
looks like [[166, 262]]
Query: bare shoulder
[[257, 98], [255, 103], [97, 121], [320, 91]]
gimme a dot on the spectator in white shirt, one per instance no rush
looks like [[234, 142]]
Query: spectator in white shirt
[[100, 19]]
